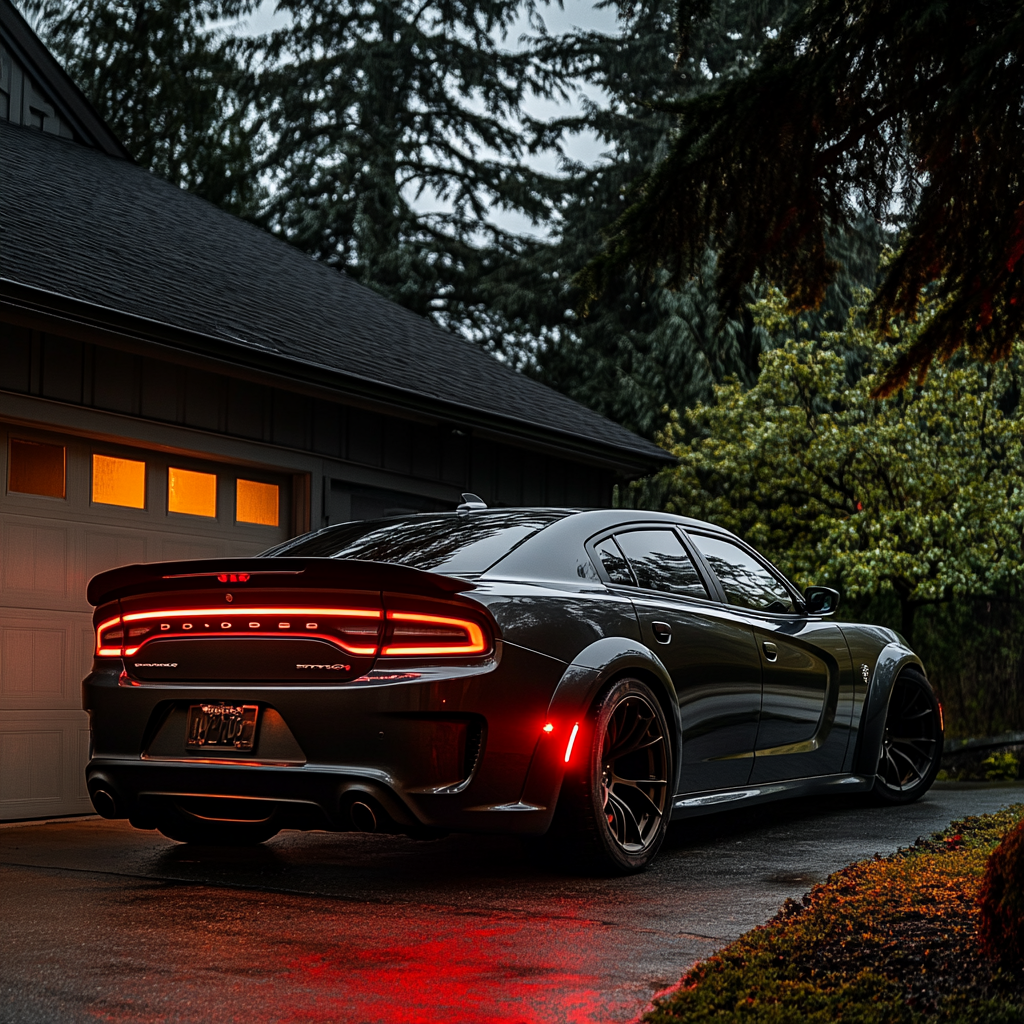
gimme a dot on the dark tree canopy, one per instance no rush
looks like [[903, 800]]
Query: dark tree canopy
[[907, 111], [643, 349], [399, 129]]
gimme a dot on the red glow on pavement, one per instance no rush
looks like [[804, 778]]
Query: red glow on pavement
[[472, 975], [333, 964]]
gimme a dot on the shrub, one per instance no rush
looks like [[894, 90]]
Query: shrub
[[1001, 922], [1000, 765]]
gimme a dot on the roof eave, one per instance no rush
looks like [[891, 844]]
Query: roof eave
[[91, 321]]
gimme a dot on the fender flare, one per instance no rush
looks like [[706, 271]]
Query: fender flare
[[892, 660], [590, 671]]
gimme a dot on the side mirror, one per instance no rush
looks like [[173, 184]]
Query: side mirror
[[821, 600]]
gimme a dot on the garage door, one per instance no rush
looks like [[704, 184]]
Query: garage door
[[72, 508]]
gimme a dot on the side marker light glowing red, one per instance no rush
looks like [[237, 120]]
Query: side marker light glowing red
[[549, 728], [572, 740]]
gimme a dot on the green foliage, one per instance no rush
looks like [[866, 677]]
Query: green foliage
[[887, 940], [180, 94], [1001, 765], [895, 110], [919, 495]]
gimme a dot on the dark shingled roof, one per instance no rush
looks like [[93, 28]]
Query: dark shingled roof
[[100, 230]]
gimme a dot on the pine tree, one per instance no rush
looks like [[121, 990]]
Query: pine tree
[[179, 93], [909, 112], [399, 130], [645, 349]]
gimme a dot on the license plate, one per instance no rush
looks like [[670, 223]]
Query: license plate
[[221, 727]]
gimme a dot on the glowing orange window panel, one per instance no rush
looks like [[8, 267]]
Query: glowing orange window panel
[[36, 468], [256, 503], [118, 482], [191, 492]]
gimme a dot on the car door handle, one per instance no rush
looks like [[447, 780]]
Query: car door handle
[[771, 652], [662, 632]]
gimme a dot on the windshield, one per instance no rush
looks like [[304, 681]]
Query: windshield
[[447, 542]]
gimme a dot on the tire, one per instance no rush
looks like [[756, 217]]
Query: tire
[[188, 824], [911, 750], [617, 795]]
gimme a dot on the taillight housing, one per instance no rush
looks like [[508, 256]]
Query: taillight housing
[[417, 634], [356, 631], [110, 638]]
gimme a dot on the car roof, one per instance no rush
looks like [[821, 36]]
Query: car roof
[[557, 552]]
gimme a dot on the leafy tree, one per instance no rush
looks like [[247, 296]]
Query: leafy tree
[[907, 110], [919, 495], [399, 129], [177, 91]]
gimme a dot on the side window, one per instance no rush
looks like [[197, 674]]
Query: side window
[[614, 564], [745, 580], [660, 562]]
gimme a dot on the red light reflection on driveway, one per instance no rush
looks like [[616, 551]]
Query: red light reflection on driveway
[[473, 972], [223, 956]]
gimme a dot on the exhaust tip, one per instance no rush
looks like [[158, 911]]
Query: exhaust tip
[[105, 804], [363, 817]]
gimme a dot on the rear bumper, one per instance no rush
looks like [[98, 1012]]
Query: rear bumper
[[408, 743], [307, 797]]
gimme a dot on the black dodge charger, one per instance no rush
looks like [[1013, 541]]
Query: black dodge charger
[[586, 675]]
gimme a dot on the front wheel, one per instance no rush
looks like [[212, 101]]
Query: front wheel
[[617, 798], [911, 750]]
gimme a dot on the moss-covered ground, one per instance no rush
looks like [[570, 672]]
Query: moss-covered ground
[[886, 941]]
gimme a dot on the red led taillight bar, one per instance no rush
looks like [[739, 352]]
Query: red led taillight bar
[[351, 629], [124, 635]]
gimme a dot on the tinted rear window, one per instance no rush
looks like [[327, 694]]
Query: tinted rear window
[[449, 543]]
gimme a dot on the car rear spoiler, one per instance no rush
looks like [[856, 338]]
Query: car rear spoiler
[[331, 573]]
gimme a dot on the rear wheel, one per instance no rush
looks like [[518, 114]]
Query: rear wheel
[[911, 750], [205, 821], [616, 799]]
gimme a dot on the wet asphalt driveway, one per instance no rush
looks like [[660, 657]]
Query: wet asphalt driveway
[[99, 922]]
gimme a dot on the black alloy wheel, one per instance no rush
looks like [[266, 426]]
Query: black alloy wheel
[[911, 750], [617, 799]]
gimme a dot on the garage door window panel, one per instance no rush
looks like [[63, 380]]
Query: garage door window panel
[[660, 562], [36, 468], [257, 503], [192, 493], [118, 482], [746, 582]]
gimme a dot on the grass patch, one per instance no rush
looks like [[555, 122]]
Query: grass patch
[[887, 941]]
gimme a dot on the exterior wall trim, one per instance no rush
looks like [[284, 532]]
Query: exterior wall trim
[[47, 311]]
